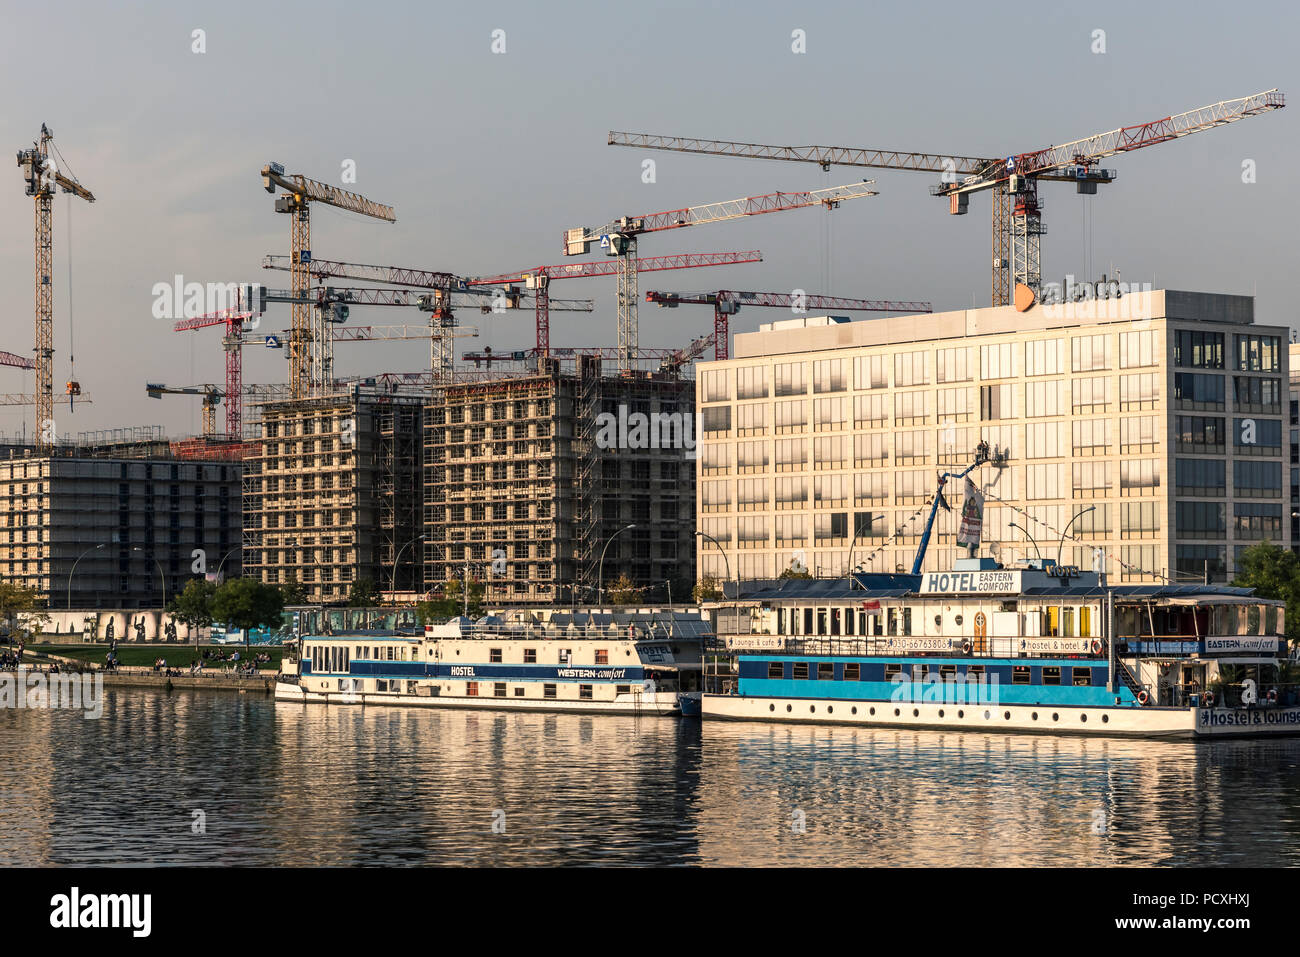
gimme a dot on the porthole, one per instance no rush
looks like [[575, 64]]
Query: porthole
[[1105, 719], [988, 715], [941, 712], [812, 709], [897, 712], [961, 713], [855, 709], [938, 621], [788, 708], [916, 712], [873, 711], [1007, 715], [1055, 716], [1034, 716], [957, 619], [1083, 717], [830, 709], [771, 707]]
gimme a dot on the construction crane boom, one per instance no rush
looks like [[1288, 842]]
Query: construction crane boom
[[310, 352], [726, 303], [211, 399], [538, 279], [18, 362], [42, 176], [619, 239], [1013, 180], [392, 275]]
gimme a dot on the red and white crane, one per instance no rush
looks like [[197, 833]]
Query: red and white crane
[[539, 278], [727, 303], [1012, 179], [619, 239]]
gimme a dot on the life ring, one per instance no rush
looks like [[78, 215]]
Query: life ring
[[1272, 696], [1096, 646], [1143, 697], [1207, 699], [965, 646]]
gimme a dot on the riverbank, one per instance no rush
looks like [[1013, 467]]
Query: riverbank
[[215, 679]]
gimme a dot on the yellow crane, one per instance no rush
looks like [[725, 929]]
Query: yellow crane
[[310, 349], [42, 175]]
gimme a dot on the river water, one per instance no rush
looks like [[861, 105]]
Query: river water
[[225, 779]]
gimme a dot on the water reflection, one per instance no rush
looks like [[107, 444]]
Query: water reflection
[[286, 784]]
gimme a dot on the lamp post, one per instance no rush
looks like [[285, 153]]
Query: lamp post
[[600, 576], [74, 568], [1080, 513], [162, 578], [736, 609], [397, 558], [1028, 536], [222, 563], [852, 544]]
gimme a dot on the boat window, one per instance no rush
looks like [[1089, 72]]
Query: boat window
[[848, 621], [1052, 676], [853, 672], [618, 689], [519, 692], [821, 621], [381, 685], [893, 621], [494, 656], [893, 671], [1081, 677], [1085, 621], [548, 691], [807, 621], [1067, 621], [825, 671], [564, 656], [920, 672], [976, 670], [1270, 620], [602, 656], [776, 669], [499, 689], [1051, 620], [471, 688], [947, 672], [907, 621], [800, 669], [530, 656], [1020, 674], [584, 692], [1253, 619]]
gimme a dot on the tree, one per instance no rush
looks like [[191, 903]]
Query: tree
[[193, 606], [623, 590], [454, 598], [1274, 572], [707, 589], [791, 573], [247, 604], [363, 594], [14, 599], [294, 591]]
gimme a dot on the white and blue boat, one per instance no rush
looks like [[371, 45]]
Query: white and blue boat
[[623, 663], [1042, 648]]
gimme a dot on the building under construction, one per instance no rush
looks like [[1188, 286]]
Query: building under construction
[[524, 493], [112, 519], [332, 492]]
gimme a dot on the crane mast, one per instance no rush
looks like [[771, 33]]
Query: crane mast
[[42, 175]]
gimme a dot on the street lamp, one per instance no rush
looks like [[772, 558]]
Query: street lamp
[[162, 577], [856, 532], [222, 563], [1081, 512], [1028, 536], [397, 559], [736, 610], [74, 568], [600, 577]]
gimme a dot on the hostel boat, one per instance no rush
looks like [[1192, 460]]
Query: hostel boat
[[646, 663], [985, 648]]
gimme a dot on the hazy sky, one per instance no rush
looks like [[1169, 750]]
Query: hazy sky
[[487, 157]]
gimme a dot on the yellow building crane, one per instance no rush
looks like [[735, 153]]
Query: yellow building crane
[[43, 175], [211, 394], [310, 349]]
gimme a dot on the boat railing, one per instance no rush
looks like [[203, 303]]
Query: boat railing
[[540, 632], [967, 646]]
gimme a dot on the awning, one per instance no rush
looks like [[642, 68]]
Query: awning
[[1223, 600], [1242, 661]]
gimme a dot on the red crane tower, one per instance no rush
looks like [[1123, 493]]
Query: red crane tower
[[1012, 179], [726, 303]]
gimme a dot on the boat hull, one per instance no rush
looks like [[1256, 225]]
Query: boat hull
[[1148, 722], [654, 704]]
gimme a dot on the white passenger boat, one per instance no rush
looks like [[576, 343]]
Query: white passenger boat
[[644, 663], [1036, 649]]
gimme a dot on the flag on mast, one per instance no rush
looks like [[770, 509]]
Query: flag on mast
[[971, 528]]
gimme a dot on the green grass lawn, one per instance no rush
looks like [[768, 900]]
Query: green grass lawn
[[178, 656]]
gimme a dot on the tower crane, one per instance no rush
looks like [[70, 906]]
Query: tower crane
[[726, 303], [42, 176], [211, 399], [538, 279], [1012, 179], [619, 239], [17, 362], [310, 348]]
